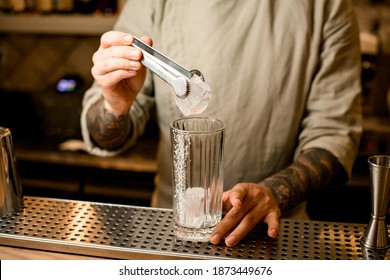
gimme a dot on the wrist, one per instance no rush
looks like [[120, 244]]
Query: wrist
[[278, 190], [117, 110]]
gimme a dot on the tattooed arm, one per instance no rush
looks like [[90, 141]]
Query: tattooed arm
[[312, 170], [107, 130], [119, 77], [249, 203]]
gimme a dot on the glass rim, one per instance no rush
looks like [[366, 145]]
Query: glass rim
[[4, 131], [216, 130], [377, 160]]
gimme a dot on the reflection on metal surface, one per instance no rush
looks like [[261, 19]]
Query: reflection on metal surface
[[372, 254], [125, 232], [11, 197]]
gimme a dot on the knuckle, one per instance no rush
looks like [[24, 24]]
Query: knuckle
[[95, 56], [103, 65], [106, 36], [251, 220], [94, 72], [236, 214], [103, 83], [137, 66]]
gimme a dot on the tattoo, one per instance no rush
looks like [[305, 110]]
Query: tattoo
[[107, 130], [312, 170]]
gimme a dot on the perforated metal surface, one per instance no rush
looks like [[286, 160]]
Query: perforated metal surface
[[117, 231]]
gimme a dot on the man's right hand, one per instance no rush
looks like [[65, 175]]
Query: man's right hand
[[118, 71]]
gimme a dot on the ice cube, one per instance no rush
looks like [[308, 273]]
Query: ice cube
[[194, 207], [198, 98]]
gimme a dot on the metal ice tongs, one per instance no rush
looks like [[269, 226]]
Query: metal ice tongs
[[167, 69]]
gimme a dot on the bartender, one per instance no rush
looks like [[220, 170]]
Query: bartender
[[285, 77]]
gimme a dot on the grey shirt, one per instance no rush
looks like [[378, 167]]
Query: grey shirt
[[285, 76]]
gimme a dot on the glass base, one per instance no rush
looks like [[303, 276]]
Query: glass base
[[191, 234]]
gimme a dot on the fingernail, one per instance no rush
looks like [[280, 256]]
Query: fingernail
[[215, 238], [273, 232], [135, 53], [128, 38], [231, 240]]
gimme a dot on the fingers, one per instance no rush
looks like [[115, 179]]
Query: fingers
[[232, 201], [248, 222], [248, 204], [147, 40], [116, 53], [109, 64], [117, 38], [116, 59], [231, 198], [272, 220]]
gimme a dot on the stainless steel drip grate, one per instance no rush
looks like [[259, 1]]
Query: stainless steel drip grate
[[125, 232]]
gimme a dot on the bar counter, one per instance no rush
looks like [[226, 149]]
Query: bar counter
[[69, 229], [53, 169]]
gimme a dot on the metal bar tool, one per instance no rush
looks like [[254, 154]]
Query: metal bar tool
[[376, 235], [11, 197], [167, 69]]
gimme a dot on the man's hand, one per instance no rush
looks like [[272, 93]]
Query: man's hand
[[247, 204], [118, 71]]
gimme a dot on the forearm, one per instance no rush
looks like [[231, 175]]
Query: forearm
[[107, 130], [312, 170]]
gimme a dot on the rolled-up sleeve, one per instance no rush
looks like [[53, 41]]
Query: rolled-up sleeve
[[333, 118]]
